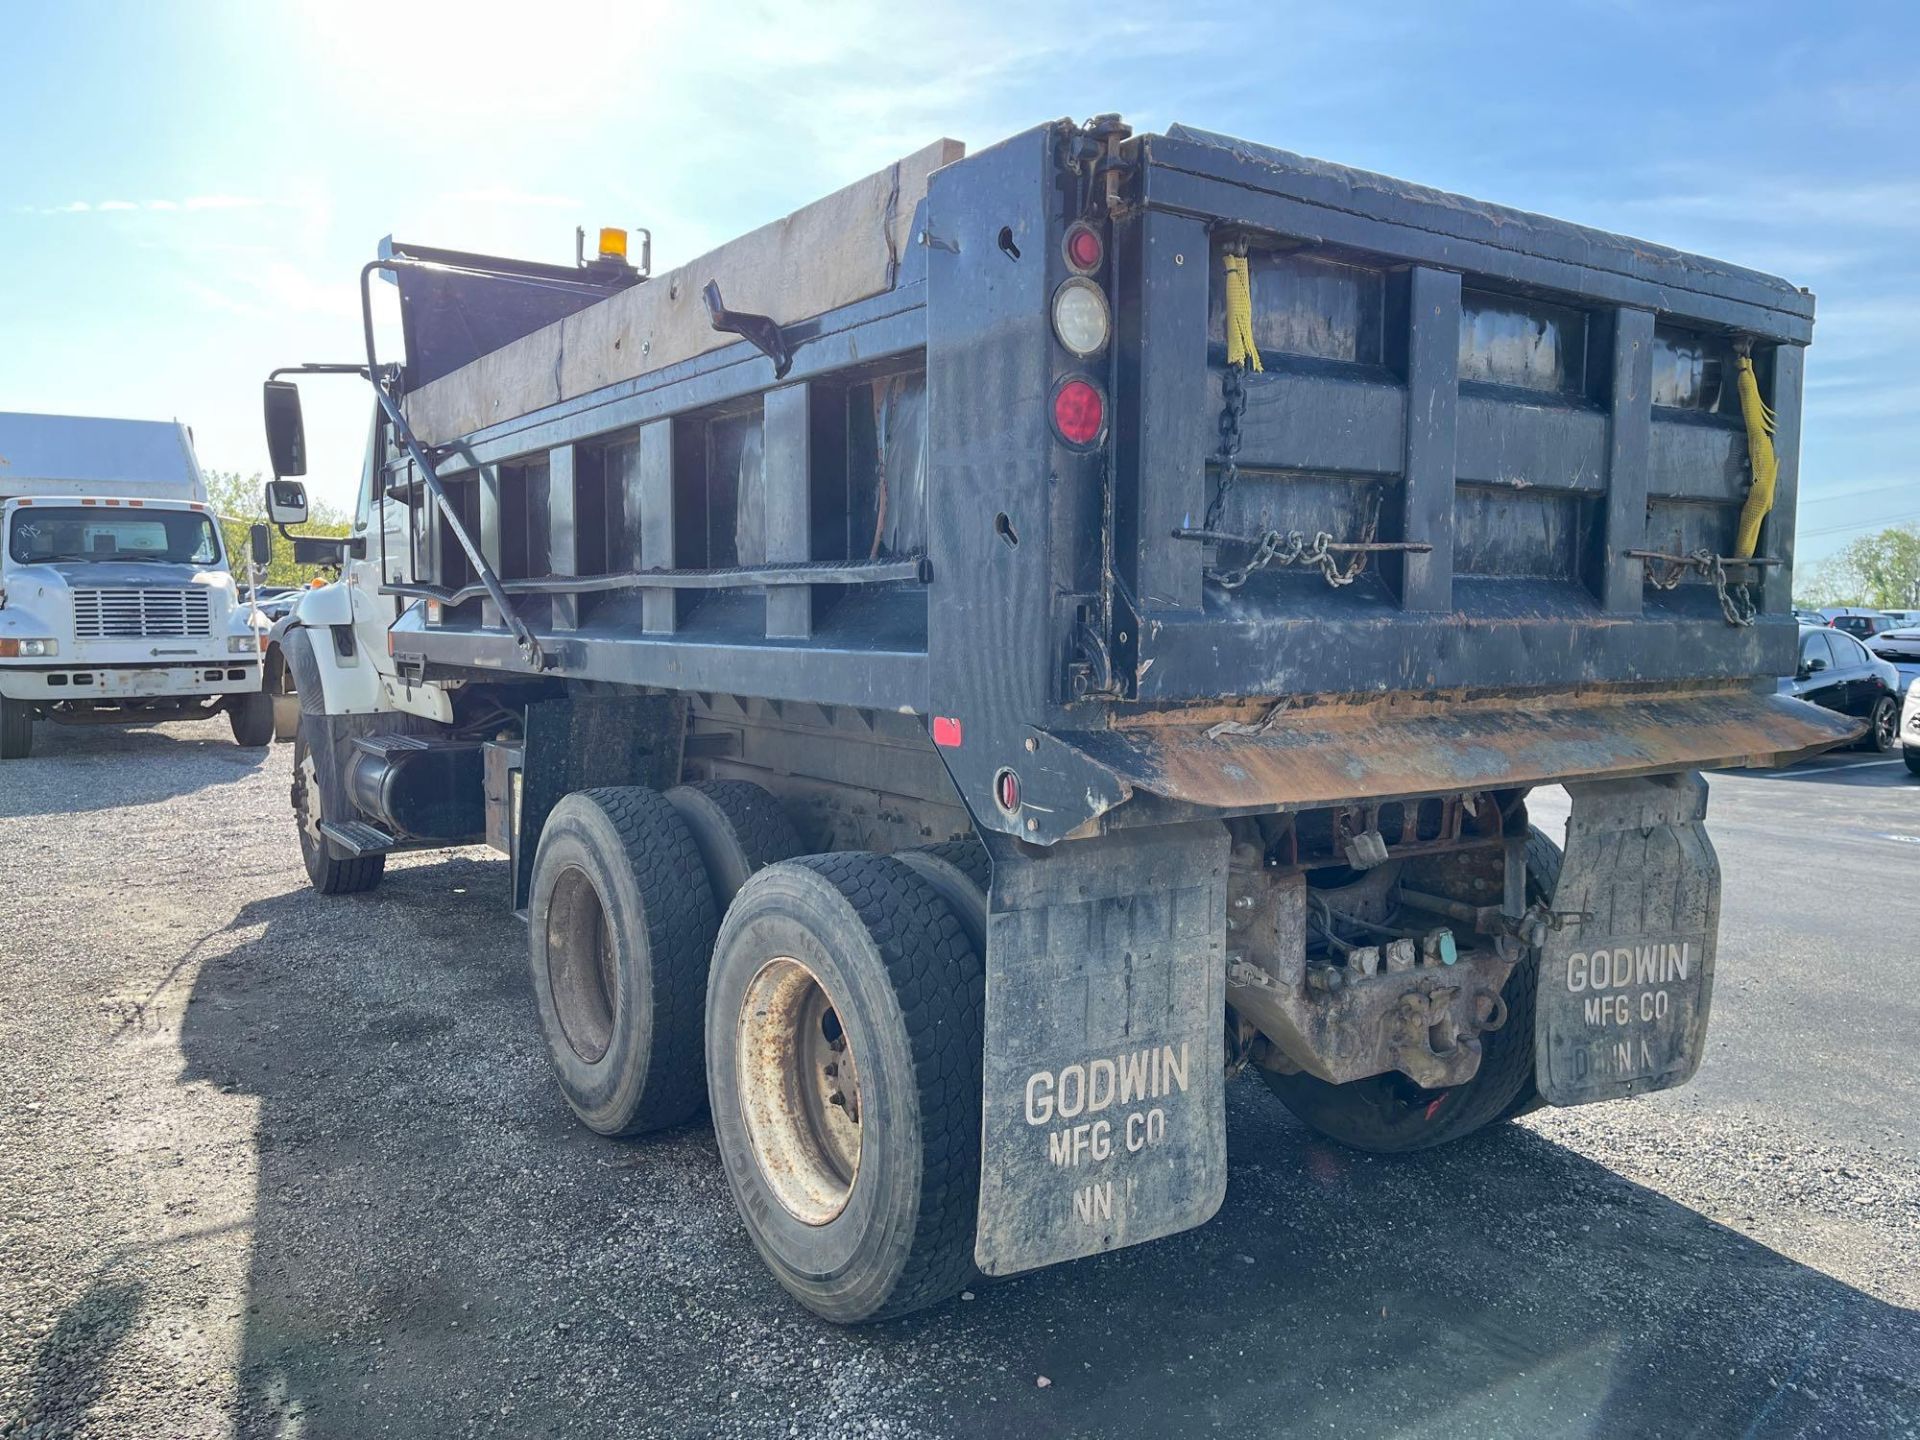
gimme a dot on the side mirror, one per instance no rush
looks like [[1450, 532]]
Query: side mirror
[[286, 431], [286, 502], [1815, 666], [260, 543], [319, 550]]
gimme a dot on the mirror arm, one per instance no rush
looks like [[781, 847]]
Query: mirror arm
[[383, 381]]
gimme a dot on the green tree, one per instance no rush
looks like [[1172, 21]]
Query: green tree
[[1879, 571], [242, 504]]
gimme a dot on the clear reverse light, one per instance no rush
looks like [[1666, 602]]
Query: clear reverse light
[[1080, 316]]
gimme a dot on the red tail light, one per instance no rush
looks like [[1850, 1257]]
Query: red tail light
[[1079, 411], [1084, 250]]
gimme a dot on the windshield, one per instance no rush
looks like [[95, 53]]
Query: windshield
[[47, 533]]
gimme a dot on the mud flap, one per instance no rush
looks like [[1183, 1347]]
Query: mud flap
[[1104, 1120], [1626, 980]]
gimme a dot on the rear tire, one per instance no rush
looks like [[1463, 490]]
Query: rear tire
[[16, 729], [864, 1207], [738, 827], [1883, 727], [252, 719], [327, 873], [621, 927], [1390, 1114], [961, 873]]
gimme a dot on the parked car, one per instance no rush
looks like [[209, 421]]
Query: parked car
[[1860, 623], [1900, 648], [1910, 728], [1840, 673]]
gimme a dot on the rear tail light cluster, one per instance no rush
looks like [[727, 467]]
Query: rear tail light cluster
[[1083, 324]]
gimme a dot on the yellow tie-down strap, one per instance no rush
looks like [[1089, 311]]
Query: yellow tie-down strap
[[1766, 467], [1241, 349]]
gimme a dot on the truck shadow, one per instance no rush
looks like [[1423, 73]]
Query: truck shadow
[[77, 768], [439, 1249]]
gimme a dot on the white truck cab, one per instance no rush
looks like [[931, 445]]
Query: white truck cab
[[116, 603]]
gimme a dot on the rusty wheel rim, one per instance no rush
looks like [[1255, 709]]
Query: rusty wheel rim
[[799, 1090], [581, 972]]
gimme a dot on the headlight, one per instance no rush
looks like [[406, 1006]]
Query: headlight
[[247, 644], [28, 649]]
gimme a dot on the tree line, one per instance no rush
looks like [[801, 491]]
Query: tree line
[[1876, 572]]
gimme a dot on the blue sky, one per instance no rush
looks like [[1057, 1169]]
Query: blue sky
[[187, 191]]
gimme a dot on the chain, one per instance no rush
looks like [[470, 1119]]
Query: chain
[[1665, 572], [1233, 390], [1293, 548]]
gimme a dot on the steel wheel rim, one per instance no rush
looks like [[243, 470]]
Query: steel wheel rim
[[799, 1090], [581, 973]]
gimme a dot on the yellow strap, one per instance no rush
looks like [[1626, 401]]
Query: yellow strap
[[1241, 349], [1766, 468]]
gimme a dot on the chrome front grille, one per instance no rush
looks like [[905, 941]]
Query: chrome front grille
[[142, 614]]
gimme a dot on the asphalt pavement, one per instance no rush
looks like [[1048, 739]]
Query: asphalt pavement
[[278, 1165]]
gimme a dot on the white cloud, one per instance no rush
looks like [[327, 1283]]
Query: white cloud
[[220, 202], [191, 202]]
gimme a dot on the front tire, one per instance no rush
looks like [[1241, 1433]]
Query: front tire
[[16, 729], [327, 873], [844, 1040], [251, 716], [621, 926], [1912, 757], [1390, 1114]]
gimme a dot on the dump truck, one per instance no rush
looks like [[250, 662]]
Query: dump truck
[[117, 606], [962, 672]]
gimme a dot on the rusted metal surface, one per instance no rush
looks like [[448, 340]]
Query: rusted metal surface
[[1333, 754], [799, 1090], [1400, 1005]]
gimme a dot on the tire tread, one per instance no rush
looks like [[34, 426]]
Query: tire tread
[[670, 876], [940, 983]]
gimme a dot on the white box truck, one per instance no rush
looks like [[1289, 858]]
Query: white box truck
[[116, 604]]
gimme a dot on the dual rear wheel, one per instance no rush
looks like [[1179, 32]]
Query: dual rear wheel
[[834, 999]]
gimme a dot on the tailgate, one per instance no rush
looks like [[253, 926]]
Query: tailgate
[[1491, 423]]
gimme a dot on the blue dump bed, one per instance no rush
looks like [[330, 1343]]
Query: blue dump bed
[[1471, 520]]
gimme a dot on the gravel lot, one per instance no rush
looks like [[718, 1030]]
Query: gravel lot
[[274, 1165]]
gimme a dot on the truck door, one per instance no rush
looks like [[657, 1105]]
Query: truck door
[[380, 532]]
